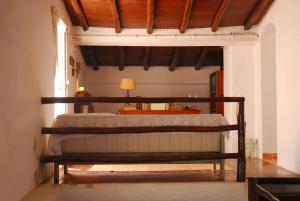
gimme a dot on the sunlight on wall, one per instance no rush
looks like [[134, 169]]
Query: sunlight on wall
[[60, 72]]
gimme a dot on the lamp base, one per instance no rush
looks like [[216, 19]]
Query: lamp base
[[127, 96]]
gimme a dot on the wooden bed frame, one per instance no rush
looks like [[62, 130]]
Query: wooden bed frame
[[66, 159], [273, 189]]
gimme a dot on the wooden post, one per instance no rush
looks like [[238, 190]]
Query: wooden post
[[66, 169], [222, 170], [241, 170], [214, 167], [56, 173]]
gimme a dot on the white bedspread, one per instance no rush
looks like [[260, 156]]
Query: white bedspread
[[110, 120]]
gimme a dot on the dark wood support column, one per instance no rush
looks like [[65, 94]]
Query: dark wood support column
[[241, 170]]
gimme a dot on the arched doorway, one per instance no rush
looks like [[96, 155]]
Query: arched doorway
[[269, 97]]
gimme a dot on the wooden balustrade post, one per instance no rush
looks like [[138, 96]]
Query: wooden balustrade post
[[241, 170], [56, 173]]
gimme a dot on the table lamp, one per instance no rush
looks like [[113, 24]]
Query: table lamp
[[127, 84]]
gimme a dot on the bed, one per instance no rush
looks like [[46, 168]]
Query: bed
[[136, 143], [108, 138]]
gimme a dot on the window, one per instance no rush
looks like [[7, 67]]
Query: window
[[60, 70]]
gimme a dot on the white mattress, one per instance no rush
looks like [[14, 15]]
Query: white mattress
[[147, 142]]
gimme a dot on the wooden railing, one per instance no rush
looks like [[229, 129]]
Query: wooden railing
[[151, 157]]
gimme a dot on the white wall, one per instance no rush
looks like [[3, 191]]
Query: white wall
[[156, 82], [285, 16], [27, 73], [268, 90], [239, 68]]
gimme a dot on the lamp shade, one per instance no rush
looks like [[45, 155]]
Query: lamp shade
[[128, 84]]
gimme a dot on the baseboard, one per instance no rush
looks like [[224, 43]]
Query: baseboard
[[270, 156]]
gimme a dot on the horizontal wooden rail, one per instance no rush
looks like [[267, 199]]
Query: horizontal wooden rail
[[124, 130], [51, 100], [135, 157]]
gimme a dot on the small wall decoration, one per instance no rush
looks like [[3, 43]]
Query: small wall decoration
[[77, 69], [72, 63]]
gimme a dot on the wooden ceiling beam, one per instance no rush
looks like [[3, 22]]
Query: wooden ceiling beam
[[77, 8], [91, 53], [116, 17], [146, 58], [150, 16], [257, 13], [121, 58], [201, 58], [219, 15], [186, 16], [175, 59]]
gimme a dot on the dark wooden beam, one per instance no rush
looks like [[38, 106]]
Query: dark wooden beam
[[51, 100], [146, 58], [116, 16], [77, 8], [150, 16], [134, 157], [125, 130], [175, 59], [91, 53], [201, 58], [257, 13], [186, 16], [219, 15], [121, 58]]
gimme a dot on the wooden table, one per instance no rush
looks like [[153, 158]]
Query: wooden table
[[159, 112]]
